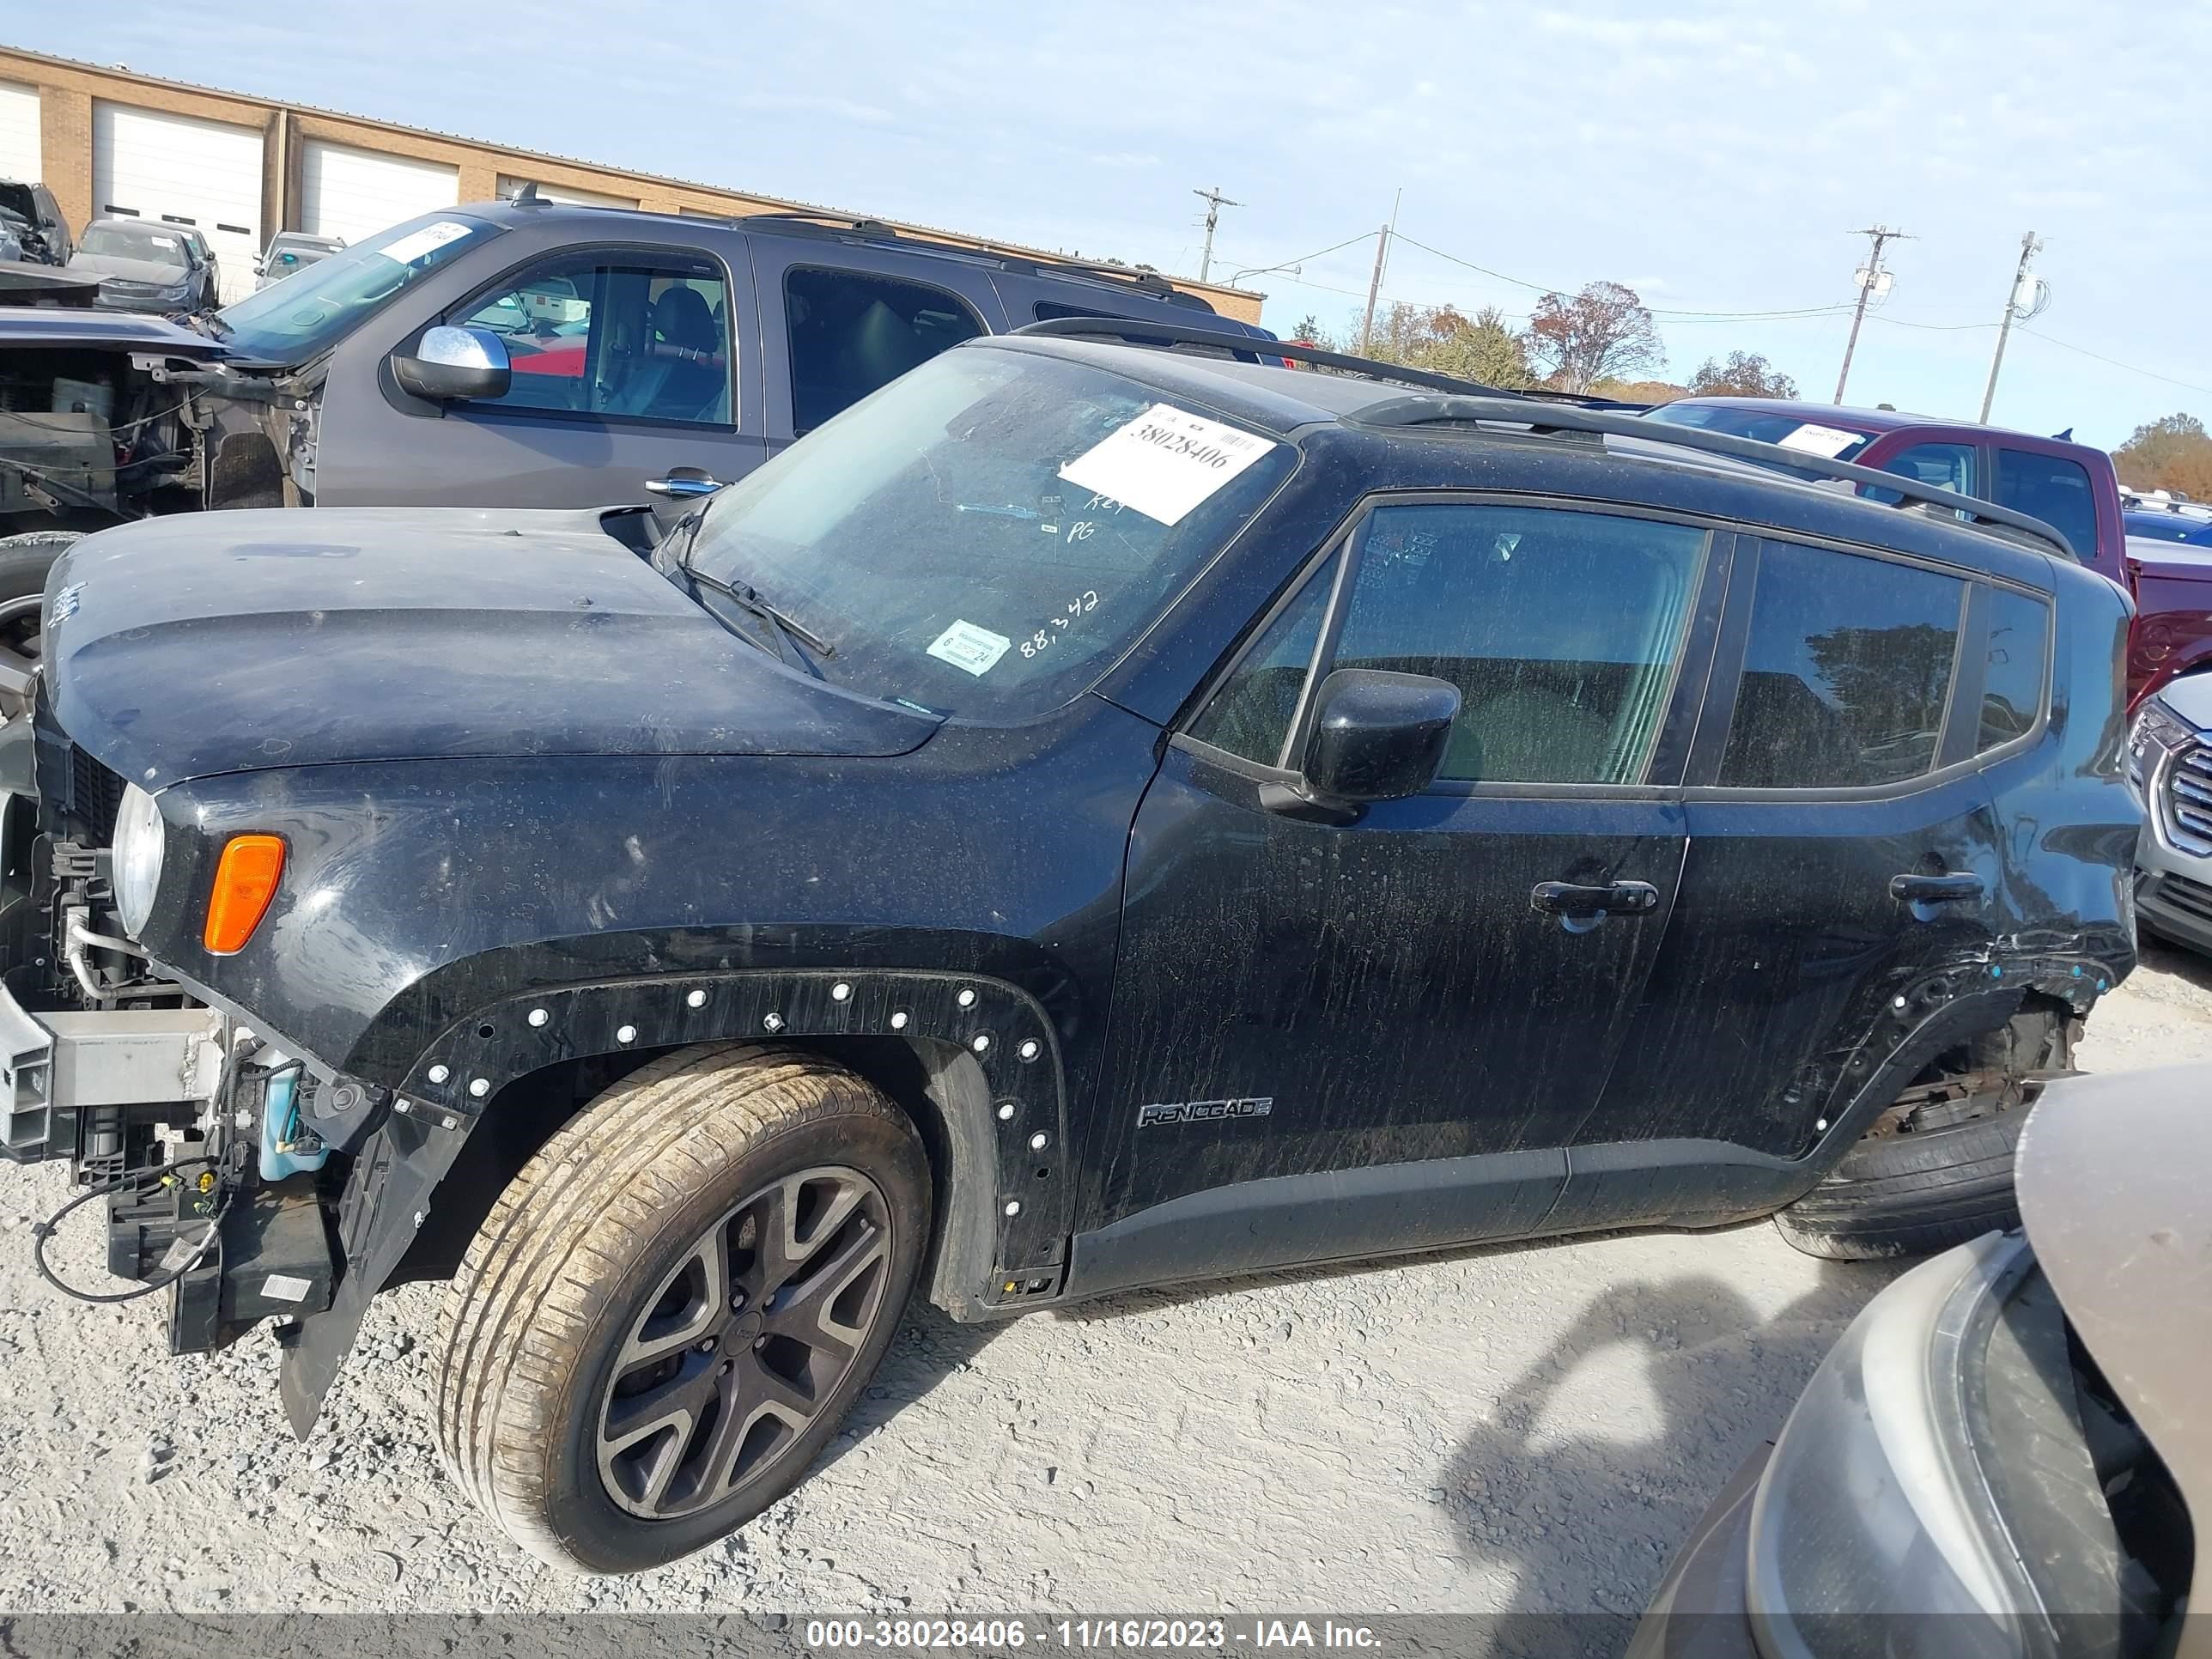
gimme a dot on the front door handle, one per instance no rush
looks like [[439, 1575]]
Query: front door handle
[[1593, 903], [1961, 887], [684, 484]]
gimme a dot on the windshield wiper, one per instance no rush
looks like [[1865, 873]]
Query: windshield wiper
[[748, 598]]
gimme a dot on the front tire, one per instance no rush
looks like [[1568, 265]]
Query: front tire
[[25, 559], [667, 1313]]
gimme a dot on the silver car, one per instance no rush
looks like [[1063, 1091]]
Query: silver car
[[2000, 1458], [2170, 764]]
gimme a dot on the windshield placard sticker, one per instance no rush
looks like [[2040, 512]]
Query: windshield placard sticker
[[428, 240], [1165, 462], [1826, 441], [969, 647]]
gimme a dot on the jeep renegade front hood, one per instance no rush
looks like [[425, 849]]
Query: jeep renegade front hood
[[212, 642]]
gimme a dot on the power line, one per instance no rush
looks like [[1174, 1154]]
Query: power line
[[2083, 351]]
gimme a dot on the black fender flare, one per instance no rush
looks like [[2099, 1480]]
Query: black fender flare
[[995, 1078]]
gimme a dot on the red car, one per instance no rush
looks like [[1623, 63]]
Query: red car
[[2070, 486]]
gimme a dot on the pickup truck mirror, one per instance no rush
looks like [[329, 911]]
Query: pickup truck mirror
[[1377, 735], [454, 363]]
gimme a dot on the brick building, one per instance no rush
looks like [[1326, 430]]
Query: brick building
[[111, 141]]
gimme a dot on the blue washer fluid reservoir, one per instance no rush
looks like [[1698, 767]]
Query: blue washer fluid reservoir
[[280, 1129]]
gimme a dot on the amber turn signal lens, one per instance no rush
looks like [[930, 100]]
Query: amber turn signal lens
[[245, 881]]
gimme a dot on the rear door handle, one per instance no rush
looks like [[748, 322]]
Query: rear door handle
[[1961, 887], [1581, 903]]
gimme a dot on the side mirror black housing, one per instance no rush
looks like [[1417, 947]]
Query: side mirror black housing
[[453, 363], [1376, 736]]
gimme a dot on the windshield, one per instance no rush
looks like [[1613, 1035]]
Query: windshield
[[132, 243], [1830, 441], [985, 535], [320, 304]]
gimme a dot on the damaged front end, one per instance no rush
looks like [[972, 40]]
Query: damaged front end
[[104, 420], [192, 1127]]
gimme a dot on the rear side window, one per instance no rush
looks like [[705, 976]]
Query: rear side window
[[2012, 683], [2054, 489], [1847, 672], [852, 332]]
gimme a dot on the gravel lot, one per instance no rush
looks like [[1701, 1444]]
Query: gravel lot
[[1531, 1429]]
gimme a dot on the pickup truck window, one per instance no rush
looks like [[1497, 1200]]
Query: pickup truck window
[[852, 332], [1846, 672], [306, 317], [929, 536], [2054, 489], [620, 336], [1947, 466]]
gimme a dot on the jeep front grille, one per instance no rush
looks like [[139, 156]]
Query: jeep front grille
[[95, 797], [2188, 799]]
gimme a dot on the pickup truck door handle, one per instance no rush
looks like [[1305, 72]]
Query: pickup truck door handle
[[1618, 898], [684, 485], [1961, 887]]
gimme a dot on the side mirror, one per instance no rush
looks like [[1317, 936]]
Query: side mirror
[[455, 363], [1376, 736]]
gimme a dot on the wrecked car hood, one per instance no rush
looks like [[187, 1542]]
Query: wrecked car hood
[[212, 642], [107, 331]]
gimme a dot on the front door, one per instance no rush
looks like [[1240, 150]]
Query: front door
[[1337, 1039], [1844, 848], [628, 365]]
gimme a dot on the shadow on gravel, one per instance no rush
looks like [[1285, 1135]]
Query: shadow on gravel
[[2182, 964], [1625, 1430], [928, 1348]]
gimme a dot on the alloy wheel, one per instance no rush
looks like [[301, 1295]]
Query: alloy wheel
[[728, 1361]]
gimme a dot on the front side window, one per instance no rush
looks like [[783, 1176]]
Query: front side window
[[1846, 672], [986, 535], [614, 336], [852, 332], [1560, 629], [293, 322], [1946, 466], [2054, 489]]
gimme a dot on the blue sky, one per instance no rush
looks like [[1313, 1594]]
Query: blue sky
[[1716, 156]]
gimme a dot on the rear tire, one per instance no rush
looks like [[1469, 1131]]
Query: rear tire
[[1931, 1176], [1911, 1194], [678, 1260]]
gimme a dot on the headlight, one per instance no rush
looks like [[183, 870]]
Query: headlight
[[2157, 731], [135, 860]]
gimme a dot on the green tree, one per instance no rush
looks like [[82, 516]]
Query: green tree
[[1741, 374], [1446, 341]]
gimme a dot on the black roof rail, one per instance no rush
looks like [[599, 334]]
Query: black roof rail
[[1555, 411], [1122, 328], [1424, 411], [802, 222]]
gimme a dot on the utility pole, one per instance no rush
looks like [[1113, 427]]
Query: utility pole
[[1873, 281], [2016, 306], [1215, 201], [1375, 282]]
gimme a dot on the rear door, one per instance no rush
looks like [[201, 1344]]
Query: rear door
[[1332, 1039], [628, 364], [1844, 853], [842, 318]]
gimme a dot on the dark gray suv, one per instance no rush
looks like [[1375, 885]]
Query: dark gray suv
[[507, 354]]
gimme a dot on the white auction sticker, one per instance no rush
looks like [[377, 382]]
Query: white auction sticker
[[428, 240], [1165, 462], [966, 646], [1828, 441]]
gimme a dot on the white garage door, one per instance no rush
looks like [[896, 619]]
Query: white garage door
[[19, 132], [354, 193], [508, 184], [148, 165]]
